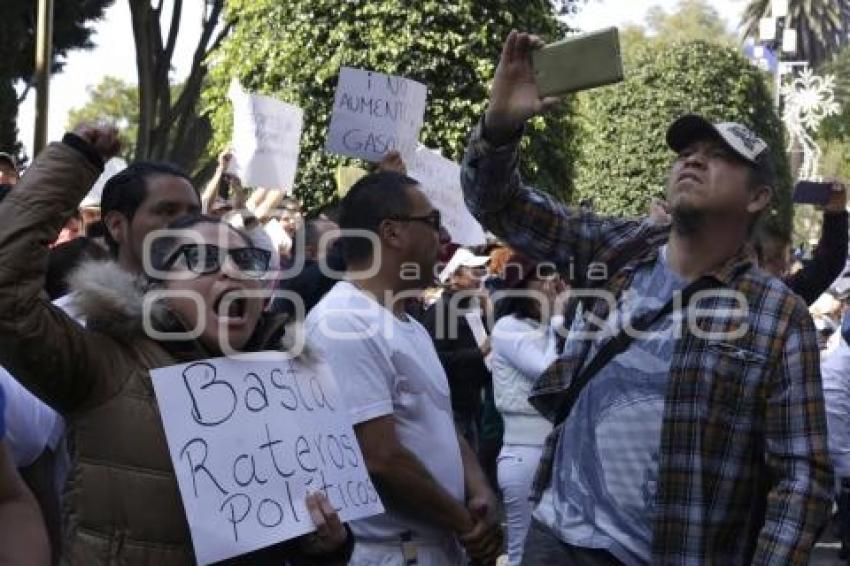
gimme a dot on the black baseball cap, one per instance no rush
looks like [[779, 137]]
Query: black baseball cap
[[740, 139]]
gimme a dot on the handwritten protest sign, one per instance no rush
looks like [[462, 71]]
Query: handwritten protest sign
[[375, 113], [440, 181], [476, 325], [249, 439], [266, 139]]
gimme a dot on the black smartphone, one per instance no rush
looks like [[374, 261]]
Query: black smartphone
[[224, 187], [812, 192]]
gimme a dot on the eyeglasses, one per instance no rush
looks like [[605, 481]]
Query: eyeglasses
[[205, 259], [433, 219]]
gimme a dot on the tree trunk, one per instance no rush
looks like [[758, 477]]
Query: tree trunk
[[8, 118], [139, 16], [171, 130]]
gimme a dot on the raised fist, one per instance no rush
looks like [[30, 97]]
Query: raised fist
[[224, 158], [102, 137]]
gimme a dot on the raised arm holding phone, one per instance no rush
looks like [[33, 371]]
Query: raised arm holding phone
[[669, 445]]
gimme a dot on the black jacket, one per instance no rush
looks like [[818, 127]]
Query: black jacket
[[311, 284], [828, 260], [461, 357]]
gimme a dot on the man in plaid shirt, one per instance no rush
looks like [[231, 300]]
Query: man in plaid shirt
[[704, 441]]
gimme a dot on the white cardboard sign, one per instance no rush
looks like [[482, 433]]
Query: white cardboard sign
[[374, 113], [266, 139], [110, 169], [440, 181], [476, 325], [249, 439]]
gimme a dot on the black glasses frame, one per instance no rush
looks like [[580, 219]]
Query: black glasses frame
[[434, 219], [239, 257]]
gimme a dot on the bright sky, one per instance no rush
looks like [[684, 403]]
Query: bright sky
[[601, 13], [114, 53]]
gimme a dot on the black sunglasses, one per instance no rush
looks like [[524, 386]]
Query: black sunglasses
[[433, 219], [205, 259]]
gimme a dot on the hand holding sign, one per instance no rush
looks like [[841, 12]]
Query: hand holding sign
[[393, 161], [330, 533], [250, 440], [375, 113]]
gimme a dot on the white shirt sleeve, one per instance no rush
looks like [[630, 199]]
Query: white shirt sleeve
[[31, 426], [360, 360], [835, 371], [529, 348]]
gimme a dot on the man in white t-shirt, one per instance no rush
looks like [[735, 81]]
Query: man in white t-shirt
[[439, 505]]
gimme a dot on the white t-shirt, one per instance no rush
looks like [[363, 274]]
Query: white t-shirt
[[522, 350], [835, 373], [31, 425], [386, 366]]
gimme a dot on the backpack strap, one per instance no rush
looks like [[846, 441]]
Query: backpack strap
[[623, 339]]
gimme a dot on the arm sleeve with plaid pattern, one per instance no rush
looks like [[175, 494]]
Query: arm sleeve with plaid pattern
[[796, 450], [530, 221]]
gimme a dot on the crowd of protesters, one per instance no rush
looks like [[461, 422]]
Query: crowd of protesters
[[581, 389]]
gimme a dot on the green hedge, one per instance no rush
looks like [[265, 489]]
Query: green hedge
[[624, 159]]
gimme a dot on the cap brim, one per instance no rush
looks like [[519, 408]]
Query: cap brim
[[692, 127], [688, 128], [461, 258], [475, 261]]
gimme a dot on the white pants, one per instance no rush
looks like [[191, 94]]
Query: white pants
[[449, 553], [517, 464]]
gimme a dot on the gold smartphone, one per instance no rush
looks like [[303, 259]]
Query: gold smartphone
[[578, 63]]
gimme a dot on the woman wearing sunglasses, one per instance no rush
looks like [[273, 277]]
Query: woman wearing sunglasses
[[122, 504]]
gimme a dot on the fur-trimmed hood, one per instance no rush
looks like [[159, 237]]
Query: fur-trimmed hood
[[112, 300]]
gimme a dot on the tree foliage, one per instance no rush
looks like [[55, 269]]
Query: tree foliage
[[71, 30], [839, 68], [691, 20], [834, 133], [568, 7], [117, 102], [293, 49], [624, 158], [822, 25]]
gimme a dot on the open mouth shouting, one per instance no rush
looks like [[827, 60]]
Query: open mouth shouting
[[231, 309]]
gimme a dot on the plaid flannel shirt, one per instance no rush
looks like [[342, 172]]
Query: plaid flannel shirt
[[744, 473]]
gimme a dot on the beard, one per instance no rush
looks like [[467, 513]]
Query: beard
[[687, 220]]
